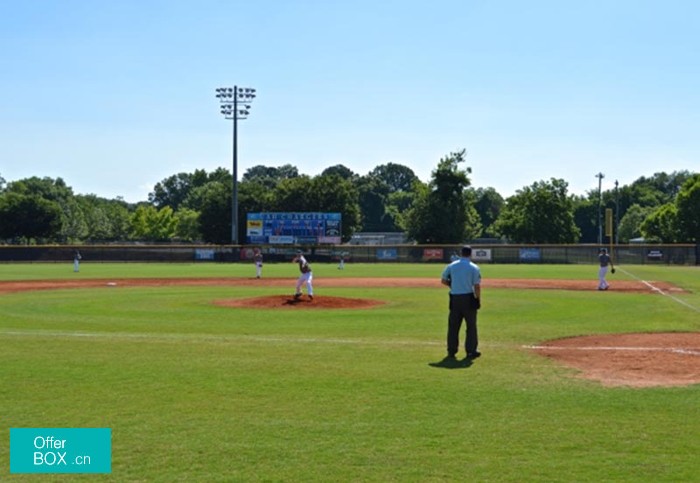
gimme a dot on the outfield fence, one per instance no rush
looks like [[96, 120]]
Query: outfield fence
[[678, 254]]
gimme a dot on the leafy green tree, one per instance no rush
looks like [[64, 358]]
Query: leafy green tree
[[254, 198], [74, 225], [28, 217], [53, 190], [586, 217], [664, 186], [47, 188], [383, 194], [172, 191], [293, 194], [373, 196], [541, 213], [340, 171], [653, 191], [105, 219], [662, 224], [631, 224], [444, 211], [215, 213], [323, 194], [396, 176], [678, 220], [270, 176], [488, 204], [151, 224], [187, 225], [333, 194], [398, 205], [688, 210], [175, 190]]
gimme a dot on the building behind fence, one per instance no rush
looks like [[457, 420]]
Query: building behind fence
[[680, 254]]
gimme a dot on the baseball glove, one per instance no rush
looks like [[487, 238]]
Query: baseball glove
[[612, 270]]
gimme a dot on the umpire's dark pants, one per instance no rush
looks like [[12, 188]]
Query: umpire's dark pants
[[461, 307]]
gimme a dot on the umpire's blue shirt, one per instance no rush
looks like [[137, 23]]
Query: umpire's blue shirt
[[464, 275]]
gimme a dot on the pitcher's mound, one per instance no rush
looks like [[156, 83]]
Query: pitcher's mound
[[304, 302]]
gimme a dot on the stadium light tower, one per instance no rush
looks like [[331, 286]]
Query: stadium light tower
[[617, 214], [600, 177], [235, 104]]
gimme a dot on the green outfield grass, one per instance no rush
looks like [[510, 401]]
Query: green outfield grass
[[91, 270], [197, 392]]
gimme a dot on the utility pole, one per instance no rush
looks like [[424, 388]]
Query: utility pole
[[600, 177]]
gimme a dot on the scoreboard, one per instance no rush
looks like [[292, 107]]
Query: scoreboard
[[293, 228]]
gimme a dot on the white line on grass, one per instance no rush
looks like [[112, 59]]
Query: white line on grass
[[657, 289], [674, 350]]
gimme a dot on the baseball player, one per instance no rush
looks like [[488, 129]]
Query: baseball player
[[306, 276], [604, 260], [76, 261], [258, 260]]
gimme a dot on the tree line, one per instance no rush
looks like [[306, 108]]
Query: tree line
[[196, 207]]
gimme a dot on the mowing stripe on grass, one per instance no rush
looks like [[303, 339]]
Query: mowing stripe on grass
[[209, 338], [657, 289]]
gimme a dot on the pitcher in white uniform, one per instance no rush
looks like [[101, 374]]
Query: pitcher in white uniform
[[306, 276]]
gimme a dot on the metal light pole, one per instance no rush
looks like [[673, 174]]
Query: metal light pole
[[229, 98], [600, 177], [617, 213]]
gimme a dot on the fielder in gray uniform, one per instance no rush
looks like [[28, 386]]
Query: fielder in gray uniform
[[604, 260], [258, 260], [76, 260]]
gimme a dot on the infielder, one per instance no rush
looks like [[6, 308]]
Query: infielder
[[258, 260], [604, 260], [306, 276]]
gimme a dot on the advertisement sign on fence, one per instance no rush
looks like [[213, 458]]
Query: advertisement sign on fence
[[481, 255], [530, 255], [433, 253], [204, 254], [387, 254]]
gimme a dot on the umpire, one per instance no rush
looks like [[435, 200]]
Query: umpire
[[464, 279]]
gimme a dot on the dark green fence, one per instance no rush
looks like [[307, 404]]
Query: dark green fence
[[681, 254]]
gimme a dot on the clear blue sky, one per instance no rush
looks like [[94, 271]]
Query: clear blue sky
[[114, 96]]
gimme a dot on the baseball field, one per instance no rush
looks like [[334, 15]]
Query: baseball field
[[204, 373]]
